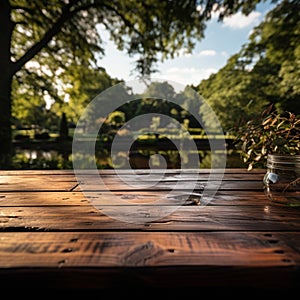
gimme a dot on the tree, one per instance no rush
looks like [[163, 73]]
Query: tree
[[52, 35], [82, 83], [229, 92], [264, 72], [154, 98], [275, 42], [63, 128]]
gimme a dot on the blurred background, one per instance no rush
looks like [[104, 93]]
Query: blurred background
[[55, 58]]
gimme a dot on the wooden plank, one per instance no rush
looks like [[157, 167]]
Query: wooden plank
[[79, 198], [42, 184], [118, 185], [67, 182], [175, 182], [92, 261], [240, 239], [168, 177], [150, 218], [128, 249], [38, 183], [263, 263], [131, 171]]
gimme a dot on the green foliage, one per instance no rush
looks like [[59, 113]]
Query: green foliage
[[55, 45], [270, 133], [56, 35], [116, 118], [82, 83], [274, 52], [264, 72], [42, 42], [230, 91], [56, 161]]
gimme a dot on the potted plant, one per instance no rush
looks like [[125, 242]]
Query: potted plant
[[272, 141]]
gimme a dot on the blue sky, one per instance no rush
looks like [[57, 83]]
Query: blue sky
[[210, 54]]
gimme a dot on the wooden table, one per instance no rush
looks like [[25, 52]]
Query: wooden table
[[54, 237]]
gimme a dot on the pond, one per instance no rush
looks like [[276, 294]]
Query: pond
[[141, 159]]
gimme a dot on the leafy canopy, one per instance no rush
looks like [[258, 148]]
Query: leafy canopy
[[50, 37], [264, 72]]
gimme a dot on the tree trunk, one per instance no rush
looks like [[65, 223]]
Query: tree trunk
[[6, 75], [5, 122], [63, 130]]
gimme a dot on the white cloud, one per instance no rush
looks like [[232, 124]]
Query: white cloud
[[187, 75], [207, 53], [238, 20]]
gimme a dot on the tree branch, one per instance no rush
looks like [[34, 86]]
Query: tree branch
[[67, 14], [126, 21]]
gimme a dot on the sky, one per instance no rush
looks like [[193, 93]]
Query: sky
[[221, 41]]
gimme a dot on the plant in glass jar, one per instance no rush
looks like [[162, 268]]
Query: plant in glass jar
[[272, 141]]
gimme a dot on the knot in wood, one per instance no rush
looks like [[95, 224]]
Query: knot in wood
[[141, 254]]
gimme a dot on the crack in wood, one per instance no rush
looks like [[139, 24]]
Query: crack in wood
[[74, 187], [189, 199]]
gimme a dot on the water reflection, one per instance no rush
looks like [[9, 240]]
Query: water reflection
[[139, 159], [41, 159]]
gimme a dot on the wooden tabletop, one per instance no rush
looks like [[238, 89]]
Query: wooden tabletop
[[59, 232]]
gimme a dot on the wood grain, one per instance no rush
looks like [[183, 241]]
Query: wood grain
[[127, 249], [14, 181], [41, 198], [54, 235], [191, 218]]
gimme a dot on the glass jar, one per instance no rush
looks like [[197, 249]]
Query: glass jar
[[282, 179]]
